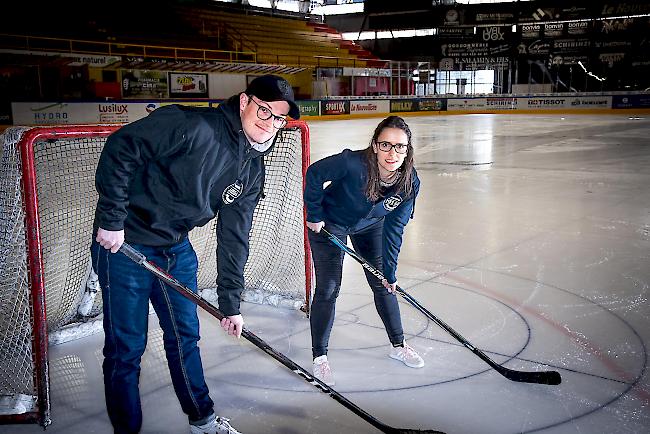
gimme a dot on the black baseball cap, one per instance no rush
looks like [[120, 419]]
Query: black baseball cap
[[271, 88]]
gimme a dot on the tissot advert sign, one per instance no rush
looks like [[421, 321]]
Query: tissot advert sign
[[188, 85]]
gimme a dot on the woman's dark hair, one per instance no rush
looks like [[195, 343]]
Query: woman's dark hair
[[405, 180]]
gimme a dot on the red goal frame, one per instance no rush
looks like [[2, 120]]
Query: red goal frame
[[35, 265]]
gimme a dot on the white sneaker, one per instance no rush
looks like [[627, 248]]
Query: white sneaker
[[322, 370], [216, 425], [406, 355]]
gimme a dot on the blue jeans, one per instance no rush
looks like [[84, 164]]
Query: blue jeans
[[126, 291], [328, 265]]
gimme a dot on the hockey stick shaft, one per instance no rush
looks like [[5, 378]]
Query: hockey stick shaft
[[186, 292], [541, 377]]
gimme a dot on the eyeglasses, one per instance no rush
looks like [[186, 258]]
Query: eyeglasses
[[400, 148], [265, 113]]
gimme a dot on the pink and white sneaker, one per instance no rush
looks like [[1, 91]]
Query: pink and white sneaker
[[322, 370], [406, 355]]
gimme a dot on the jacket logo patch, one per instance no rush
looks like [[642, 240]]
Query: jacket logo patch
[[390, 203], [232, 192]]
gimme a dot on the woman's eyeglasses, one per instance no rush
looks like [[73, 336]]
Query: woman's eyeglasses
[[265, 113], [400, 148]]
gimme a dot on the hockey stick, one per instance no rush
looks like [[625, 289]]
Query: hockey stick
[[542, 377], [183, 290]]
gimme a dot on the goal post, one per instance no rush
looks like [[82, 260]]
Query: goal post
[[47, 205]]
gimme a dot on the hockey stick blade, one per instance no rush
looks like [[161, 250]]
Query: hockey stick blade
[[186, 292], [551, 378]]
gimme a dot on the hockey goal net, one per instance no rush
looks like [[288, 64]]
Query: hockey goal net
[[47, 202]]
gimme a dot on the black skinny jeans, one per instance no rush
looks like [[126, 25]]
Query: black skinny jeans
[[328, 264]]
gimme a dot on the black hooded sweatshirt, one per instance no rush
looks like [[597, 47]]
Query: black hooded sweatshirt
[[163, 175]]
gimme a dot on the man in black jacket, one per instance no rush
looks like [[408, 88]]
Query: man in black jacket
[[157, 179]]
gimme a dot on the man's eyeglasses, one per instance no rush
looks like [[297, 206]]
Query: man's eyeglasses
[[400, 148], [265, 113]]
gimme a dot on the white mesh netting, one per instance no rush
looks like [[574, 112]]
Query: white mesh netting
[[65, 159]]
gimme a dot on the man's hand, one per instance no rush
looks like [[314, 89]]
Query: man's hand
[[316, 227], [233, 325], [391, 287], [110, 240]]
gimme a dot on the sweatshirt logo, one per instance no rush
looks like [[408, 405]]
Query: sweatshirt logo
[[232, 192], [390, 203]]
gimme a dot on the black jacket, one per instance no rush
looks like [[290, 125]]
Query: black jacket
[[163, 175], [345, 204]]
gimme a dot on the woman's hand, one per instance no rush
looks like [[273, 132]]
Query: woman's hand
[[316, 227], [391, 287]]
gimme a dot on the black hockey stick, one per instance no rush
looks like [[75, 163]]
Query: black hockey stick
[[542, 377], [140, 259]]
